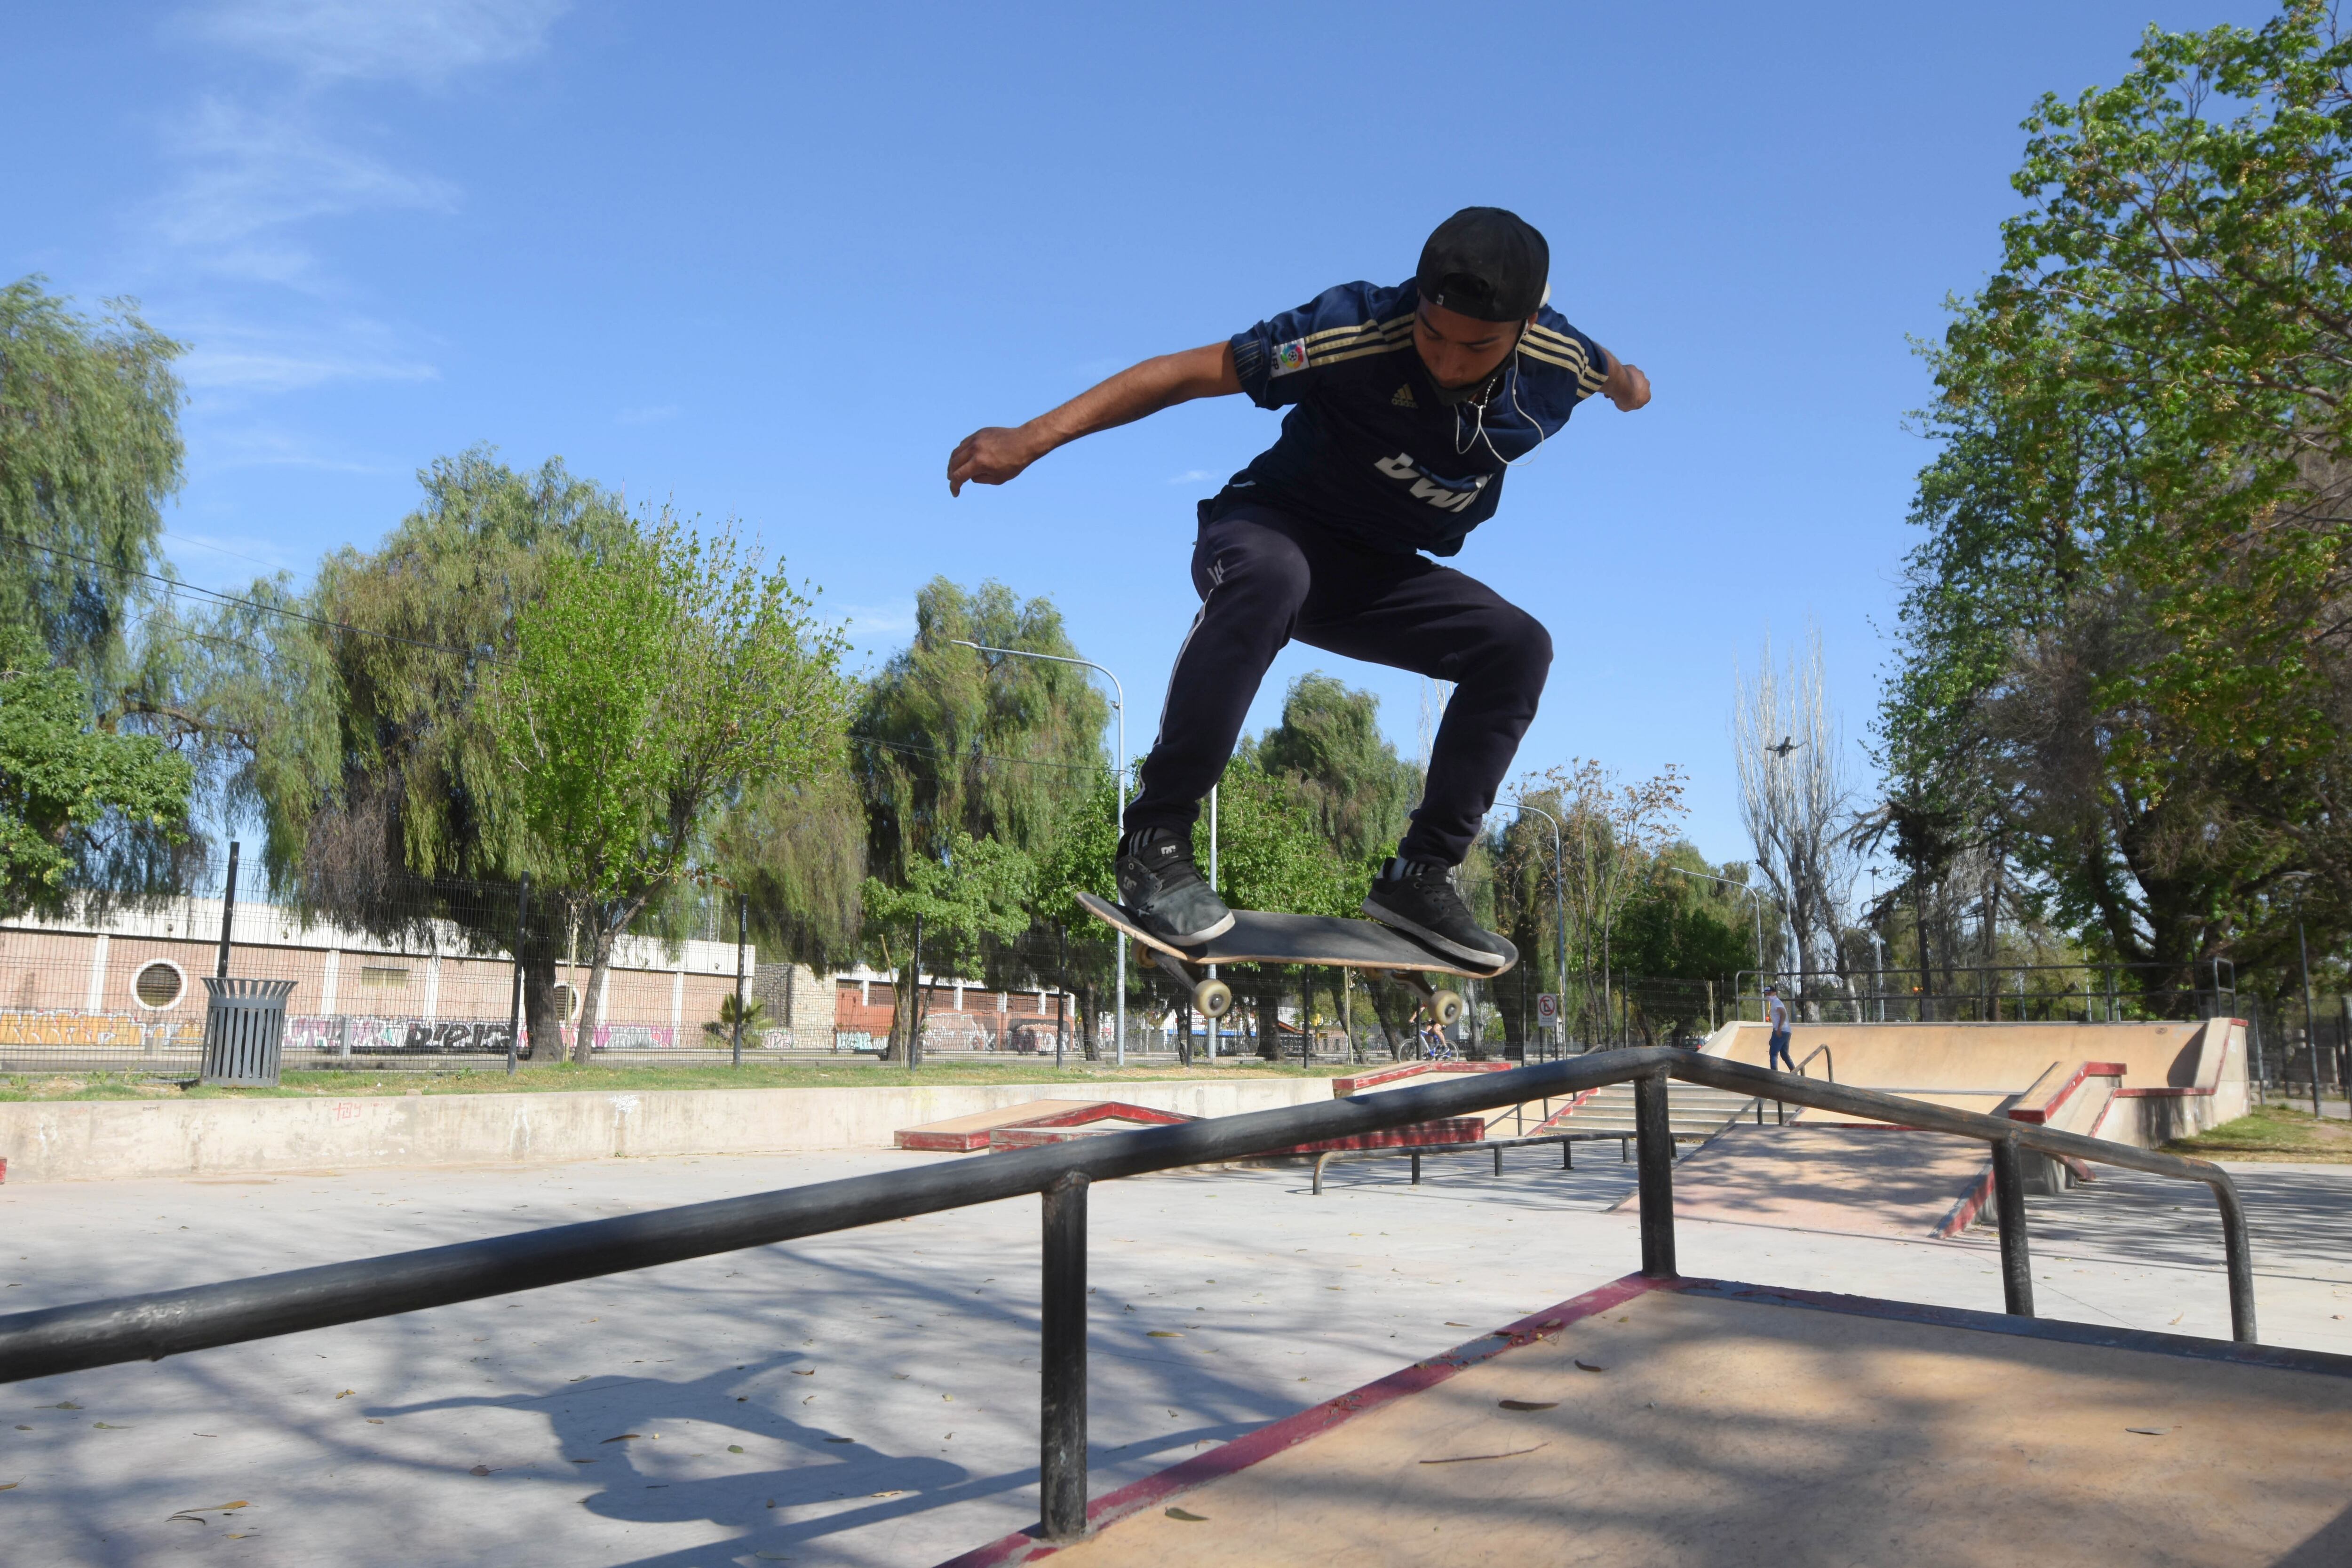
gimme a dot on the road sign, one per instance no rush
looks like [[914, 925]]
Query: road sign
[[1547, 1007]]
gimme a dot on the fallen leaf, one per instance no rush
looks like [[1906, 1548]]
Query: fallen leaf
[[211, 1508], [1530, 1404], [347, 1394], [1454, 1325], [108, 1427], [2147, 1431], [1588, 1366], [841, 1439], [479, 1470], [579, 1462], [1187, 1518], [11, 1485], [61, 1404], [375, 1420], [808, 1371], [1468, 1458], [22, 1427], [1163, 1334], [734, 1447], [582, 1378], [623, 1437]]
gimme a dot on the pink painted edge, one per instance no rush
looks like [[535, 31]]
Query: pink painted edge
[[1964, 1212], [1343, 1086], [1292, 1430], [2083, 1070]]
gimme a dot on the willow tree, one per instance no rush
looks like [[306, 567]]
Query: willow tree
[[947, 737], [651, 681], [363, 743], [89, 451]]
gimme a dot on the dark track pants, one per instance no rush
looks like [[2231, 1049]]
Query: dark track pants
[[1266, 577]]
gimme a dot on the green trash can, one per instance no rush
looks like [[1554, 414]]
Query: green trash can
[[245, 1021]]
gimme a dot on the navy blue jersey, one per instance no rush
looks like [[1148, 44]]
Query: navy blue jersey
[[1366, 449]]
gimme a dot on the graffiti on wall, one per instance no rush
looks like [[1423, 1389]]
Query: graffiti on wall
[[353, 1036]]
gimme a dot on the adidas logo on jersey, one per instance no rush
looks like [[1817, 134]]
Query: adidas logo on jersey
[[1403, 399]]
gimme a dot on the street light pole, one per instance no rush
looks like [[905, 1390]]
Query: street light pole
[[1119, 706], [1558, 915]]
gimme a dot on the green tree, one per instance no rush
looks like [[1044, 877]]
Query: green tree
[[350, 718], [973, 888], [649, 683], [1329, 749], [2125, 664], [64, 782], [90, 449], [949, 738]]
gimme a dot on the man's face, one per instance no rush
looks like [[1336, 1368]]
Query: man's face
[[1459, 350]]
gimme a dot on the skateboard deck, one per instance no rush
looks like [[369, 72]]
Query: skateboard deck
[[1258, 937]]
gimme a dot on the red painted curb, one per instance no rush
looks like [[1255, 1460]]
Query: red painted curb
[[1292, 1430]]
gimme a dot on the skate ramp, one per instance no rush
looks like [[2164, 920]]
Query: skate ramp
[[1702, 1424], [1857, 1180], [2169, 1078]]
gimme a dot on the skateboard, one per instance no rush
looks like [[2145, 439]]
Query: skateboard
[[1259, 938]]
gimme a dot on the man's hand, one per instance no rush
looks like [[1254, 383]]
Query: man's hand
[[991, 456], [1626, 386]]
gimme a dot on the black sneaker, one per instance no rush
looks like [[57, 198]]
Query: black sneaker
[[1165, 892], [1417, 896]]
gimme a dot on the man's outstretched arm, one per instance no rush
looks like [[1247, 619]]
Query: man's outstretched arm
[[994, 454], [1626, 386]]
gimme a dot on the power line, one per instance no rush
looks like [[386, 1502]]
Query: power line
[[177, 585]]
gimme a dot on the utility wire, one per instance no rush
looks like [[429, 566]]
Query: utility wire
[[175, 586]]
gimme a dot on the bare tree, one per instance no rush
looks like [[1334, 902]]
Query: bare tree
[[1795, 796]]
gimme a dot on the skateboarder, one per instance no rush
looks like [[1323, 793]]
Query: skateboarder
[[1408, 402]]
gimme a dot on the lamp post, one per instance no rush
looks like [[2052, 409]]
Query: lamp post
[[1558, 881], [1752, 893], [1119, 706]]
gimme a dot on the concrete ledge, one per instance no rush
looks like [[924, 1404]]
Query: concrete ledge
[[77, 1140]]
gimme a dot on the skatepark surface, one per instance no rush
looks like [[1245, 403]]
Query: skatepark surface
[[1703, 1426], [1869, 1179], [881, 1384]]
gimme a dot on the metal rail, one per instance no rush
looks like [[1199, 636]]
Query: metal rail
[[1566, 1141], [57, 1340]]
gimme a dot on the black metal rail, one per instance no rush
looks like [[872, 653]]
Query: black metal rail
[[170, 1323]]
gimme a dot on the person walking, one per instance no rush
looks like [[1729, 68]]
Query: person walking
[[1776, 1013]]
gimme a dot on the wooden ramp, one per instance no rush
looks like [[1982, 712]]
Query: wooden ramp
[[1704, 1425]]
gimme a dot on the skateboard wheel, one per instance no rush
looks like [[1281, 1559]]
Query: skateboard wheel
[[1214, 998], [1446, 1006]]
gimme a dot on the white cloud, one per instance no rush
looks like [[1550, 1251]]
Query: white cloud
[[1194, 477], [422, 41], [226, 358], [268, 447], [878, 620], [253, 177]]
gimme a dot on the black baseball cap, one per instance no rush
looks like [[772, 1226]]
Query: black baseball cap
[[1488, 264]]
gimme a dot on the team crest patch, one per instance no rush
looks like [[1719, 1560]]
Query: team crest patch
[[1403, 399], [1289, 356]]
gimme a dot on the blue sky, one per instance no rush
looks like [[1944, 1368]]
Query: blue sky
[[771, 262]]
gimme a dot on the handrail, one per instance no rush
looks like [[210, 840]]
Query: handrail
[[1757, 1104], [47, 1342]]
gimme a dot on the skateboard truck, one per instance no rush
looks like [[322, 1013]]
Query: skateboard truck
[[1212, 998]]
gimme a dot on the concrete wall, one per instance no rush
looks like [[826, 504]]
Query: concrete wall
[[63, 1140], [2179, 1077]]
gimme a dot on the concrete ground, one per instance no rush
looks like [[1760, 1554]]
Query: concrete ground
[[870, 1398]]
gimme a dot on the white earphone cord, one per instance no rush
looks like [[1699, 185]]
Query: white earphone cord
[[1478, 431]]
